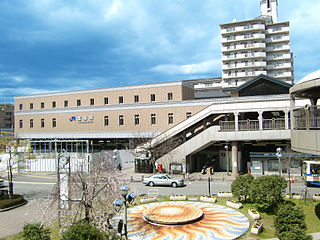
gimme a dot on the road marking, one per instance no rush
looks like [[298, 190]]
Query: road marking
[[41, 183]]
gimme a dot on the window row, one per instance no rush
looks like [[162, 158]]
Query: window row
[[42, 123], [121, 120], [92, 101]]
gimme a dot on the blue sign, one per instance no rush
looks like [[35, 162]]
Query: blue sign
[[73, 118]]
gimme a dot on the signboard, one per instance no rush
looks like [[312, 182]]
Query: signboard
[[82, 119]]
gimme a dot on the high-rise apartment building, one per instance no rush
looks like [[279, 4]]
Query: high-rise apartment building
[[254, 47]]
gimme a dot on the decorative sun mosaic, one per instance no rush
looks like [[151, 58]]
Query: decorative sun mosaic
[[184, 221]]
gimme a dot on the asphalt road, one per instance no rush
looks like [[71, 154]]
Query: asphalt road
[[38, 185]]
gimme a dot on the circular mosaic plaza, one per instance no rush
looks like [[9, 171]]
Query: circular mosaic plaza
[[184, 221]]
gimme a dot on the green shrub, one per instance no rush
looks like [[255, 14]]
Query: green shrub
[[290, 223], [83, 231], [16, 200], [241, 186], [267, 191], [35, 232]]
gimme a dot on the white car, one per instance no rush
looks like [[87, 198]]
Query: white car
[[163, 180]]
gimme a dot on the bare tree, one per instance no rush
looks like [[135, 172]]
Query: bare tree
[[14, 152], [92, 195]]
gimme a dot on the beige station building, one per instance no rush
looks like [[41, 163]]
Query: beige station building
[[234, 123]]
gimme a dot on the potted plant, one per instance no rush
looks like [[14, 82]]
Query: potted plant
[[178, 197], [256, 227], [208, 198], [148, 199], [254, 214], [316, 196], [225, 194], [234, 204]]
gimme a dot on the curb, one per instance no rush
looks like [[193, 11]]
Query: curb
[[13, 207]]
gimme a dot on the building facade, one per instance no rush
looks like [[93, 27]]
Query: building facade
[[6, 118], [254, 47]]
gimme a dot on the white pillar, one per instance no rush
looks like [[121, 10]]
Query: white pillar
[[236, 121], [260, 121], [234, 149], [286, 119]]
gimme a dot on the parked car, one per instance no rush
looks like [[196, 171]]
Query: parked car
[[163, 180]]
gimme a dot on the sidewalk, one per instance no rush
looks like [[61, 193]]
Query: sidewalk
[[130, 175]]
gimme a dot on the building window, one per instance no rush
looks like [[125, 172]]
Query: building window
[[170, 96], [120, 99], [152, 97], [121, 120], [136, 98], [91, 101], [188, 114], [42, 123], [31, 106], [153, 119], [20, 106], [42, 105], [31, 123], [66, 103], [78, 103], [21, 124], [54, 122], [106, 121], [106, 101], [136, 119], [170, 118], [54, 104]]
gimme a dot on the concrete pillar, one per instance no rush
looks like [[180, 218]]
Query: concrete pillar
[[234, 149], [260, 121], [236, 121], [286, 119]]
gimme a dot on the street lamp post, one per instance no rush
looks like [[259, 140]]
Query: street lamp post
[[279, 155], [226, 147], [127, 199]]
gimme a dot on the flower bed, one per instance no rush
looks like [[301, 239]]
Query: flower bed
[[178, 197], [295, 196], [254, 214], [225, 194], [316, 196], [234, 204], [257, 227], [148, 199], [208, 198]]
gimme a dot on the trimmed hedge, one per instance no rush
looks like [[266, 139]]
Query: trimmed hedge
[[16, 200]]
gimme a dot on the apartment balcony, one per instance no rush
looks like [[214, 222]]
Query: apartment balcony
[[239, 29], [231, 39], [284, 47], [279, 39], [244, 56], [242, 74], [276, 57], [286, 74], [273, 30], [244, 65], [279, 66]]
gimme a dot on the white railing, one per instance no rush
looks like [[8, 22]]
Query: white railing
[[227, 126], [273, 124]]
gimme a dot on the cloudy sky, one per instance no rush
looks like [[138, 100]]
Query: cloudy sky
[[58, 45]]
